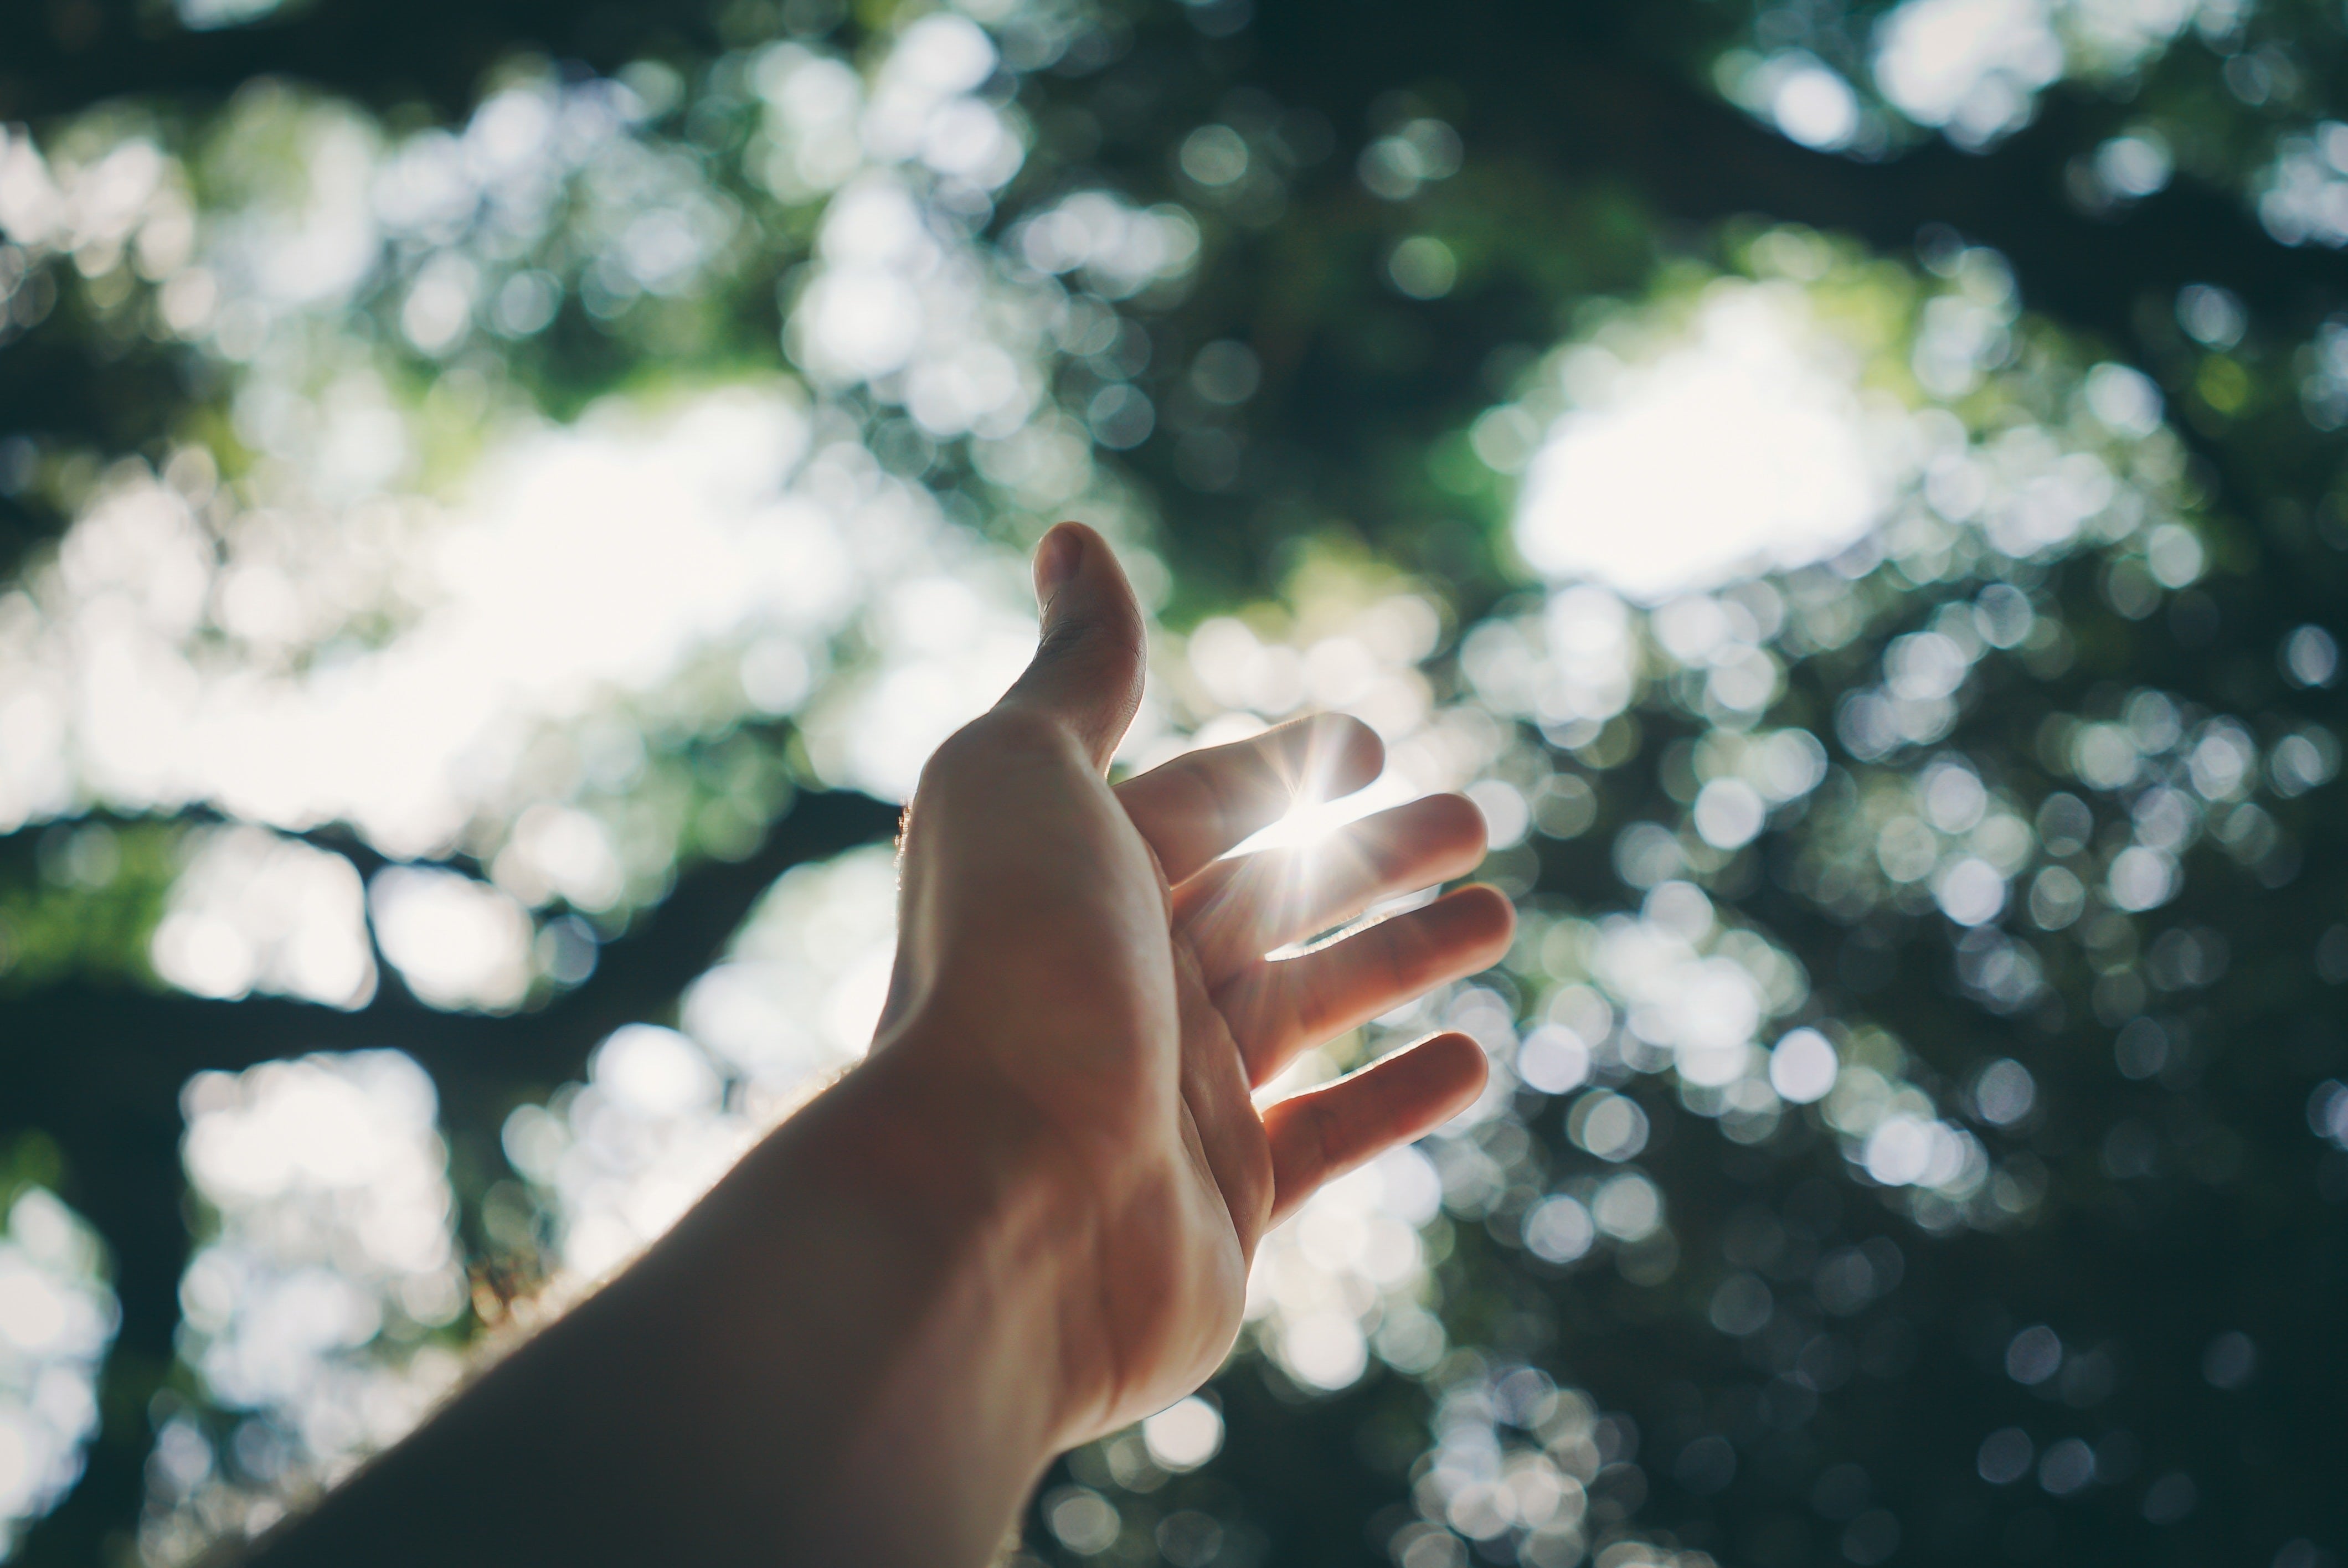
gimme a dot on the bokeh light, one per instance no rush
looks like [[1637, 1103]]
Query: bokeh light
[[419, 667], [313, 1306], [58, 1318]]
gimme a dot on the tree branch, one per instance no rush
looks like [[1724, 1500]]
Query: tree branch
[[1563, 84], [100, 1071], [1567, 81], [71, 1040], [55, 59]]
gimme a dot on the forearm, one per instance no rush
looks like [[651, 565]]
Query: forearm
[[847, 1352], [1028, 1218]]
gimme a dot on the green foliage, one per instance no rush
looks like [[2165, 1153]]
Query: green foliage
[[1811, 1340], [77, 902]]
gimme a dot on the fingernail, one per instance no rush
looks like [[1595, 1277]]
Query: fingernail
[[1056, 561]]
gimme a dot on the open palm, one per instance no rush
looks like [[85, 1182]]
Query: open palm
[[1088, 966], [1026, 1219]]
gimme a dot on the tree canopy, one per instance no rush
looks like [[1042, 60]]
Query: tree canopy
[[496, 500]]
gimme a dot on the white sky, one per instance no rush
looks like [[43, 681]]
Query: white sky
[[1742, 450]]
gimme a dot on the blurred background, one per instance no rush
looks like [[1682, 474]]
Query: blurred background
[[497, 499]]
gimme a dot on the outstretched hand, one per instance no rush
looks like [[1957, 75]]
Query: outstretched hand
[[1028, 1218], [1084, 950]]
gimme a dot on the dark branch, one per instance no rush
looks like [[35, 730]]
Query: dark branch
[[55, 59], [100, 1071], [1567, 82], [1563, 84], [71, 1045]]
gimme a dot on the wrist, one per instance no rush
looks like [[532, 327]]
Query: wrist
[[840, 1353], [958, 1167], [866, 1306]]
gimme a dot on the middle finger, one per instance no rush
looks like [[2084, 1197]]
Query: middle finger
[[1236, 911]]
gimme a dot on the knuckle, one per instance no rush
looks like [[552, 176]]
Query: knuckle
[[1322, 1130], [1254, 1187], [1004, 737], [1224, 790], [1322, 995], [1098, 644], [1459, 819], [1019, 733], [1401, 949]]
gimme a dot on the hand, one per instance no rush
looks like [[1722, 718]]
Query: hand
[[1078, 958], [1028, 1218]]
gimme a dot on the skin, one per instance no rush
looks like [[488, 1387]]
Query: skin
[[1026, 1219]]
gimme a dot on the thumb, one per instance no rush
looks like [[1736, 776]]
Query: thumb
[[1088, 661]]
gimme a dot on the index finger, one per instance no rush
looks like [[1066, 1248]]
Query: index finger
[[1199, 805]]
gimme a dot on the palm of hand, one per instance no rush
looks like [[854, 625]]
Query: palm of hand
[[1108, 967]]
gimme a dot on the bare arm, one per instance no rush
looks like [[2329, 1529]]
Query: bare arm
[[1026, 1219]]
